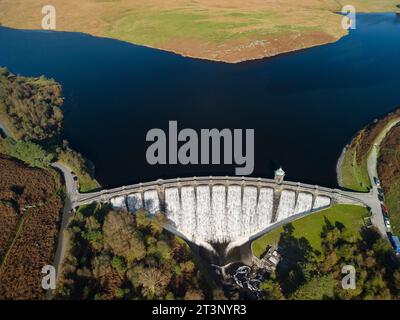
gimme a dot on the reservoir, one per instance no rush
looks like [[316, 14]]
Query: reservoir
[[304, 107]]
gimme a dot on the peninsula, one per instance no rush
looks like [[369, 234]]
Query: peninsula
[[222, 30]]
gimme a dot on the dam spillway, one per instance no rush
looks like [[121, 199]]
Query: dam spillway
[[225, 213], [207, 210], [220, 214]]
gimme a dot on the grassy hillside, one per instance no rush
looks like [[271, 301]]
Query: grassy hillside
[[310, 227], [224, 30], [389, 172], [354, 173]]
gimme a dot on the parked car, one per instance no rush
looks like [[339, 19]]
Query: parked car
[[387, 224], [385, 215], [384, 208], [394, 240], [377, 181]]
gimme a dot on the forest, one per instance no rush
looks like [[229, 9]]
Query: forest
[[30, 107], [119, 255], [31, 191], [31, 114], [307, 274]]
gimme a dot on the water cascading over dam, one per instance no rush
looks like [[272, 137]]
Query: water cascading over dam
[[223, 213]]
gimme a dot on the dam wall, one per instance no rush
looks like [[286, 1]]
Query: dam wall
[[222, 213], [222, 209]]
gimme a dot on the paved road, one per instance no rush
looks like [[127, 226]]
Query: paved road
[[70, 183], [72, 193], [73, 196], [372, 161]]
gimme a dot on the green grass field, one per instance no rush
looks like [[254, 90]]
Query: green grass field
[[354, 176], [86, 182], [155, 27], [310, 227]]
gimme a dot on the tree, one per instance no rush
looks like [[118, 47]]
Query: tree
[[300, 261], [95, 238], [187, 266], [218, 294], [121, 293], [142, 221], [134, 273], [154, 282], [118, 264], [318, 288], [396, 277], [164, 251], [101, 265], [121, 236], [193, 294], [271, 290], [31, 106]]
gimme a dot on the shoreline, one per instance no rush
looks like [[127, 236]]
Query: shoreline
[[178, 52], [388, 126], [339, 175], [231, 62]]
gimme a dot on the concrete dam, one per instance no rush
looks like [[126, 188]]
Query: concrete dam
[[221, 214], [232, 210]]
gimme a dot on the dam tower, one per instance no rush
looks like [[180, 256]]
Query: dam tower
[[279, 175]]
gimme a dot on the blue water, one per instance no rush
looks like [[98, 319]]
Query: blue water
[[304, 106]]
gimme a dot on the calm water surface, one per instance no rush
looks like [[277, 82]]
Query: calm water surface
[[303, 106]]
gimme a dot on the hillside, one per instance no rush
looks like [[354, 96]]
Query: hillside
[[222, 30], [353, 169], [389, 173], [30, 208], [31, 116], [30, 107]]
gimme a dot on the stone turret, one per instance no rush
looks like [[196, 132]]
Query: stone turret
[[279, 175]]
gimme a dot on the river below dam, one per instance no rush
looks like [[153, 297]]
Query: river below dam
[[304, 106]]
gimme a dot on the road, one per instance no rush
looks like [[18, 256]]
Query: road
[[70, 198], [73, 196], [372, 162]]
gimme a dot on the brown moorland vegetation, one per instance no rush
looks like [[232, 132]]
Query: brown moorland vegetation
[[28, 227], [389, 173], [371, 132]]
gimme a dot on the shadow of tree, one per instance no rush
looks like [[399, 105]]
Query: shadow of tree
[[296, 253]]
